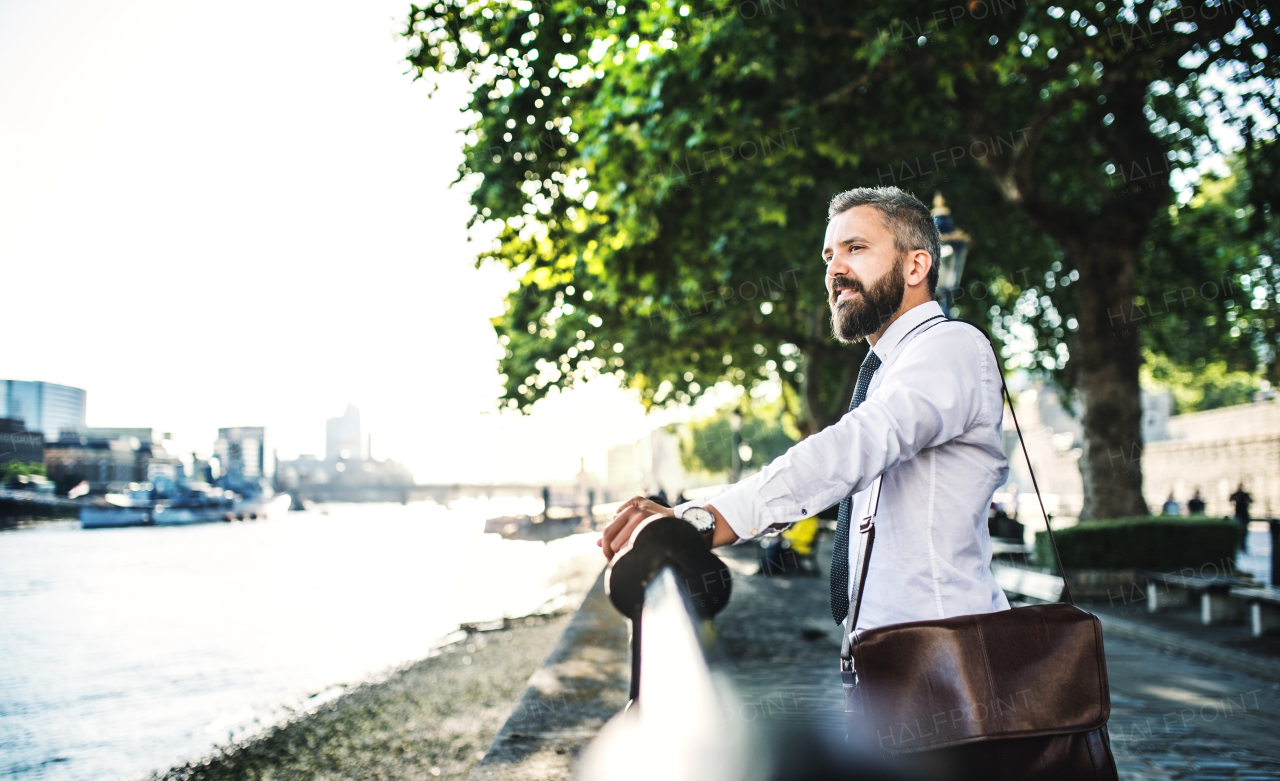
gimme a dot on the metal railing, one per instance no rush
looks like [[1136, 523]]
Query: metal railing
[[680, 724]]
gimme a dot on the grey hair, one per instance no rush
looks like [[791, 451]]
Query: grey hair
[[905, 216]]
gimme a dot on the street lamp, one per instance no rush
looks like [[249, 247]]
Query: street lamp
[[955, 246], [735, 426]]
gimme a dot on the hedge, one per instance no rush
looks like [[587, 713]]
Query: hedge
[[1154, 542]]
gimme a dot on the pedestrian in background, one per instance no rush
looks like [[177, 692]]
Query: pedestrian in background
[[1242, 500], [1195, 505]]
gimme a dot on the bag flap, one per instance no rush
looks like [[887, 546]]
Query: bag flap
[[1037, 670]]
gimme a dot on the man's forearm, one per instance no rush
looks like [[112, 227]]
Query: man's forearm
[[723, 534]]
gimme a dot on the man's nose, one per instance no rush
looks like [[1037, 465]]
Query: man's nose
[[836, 267]]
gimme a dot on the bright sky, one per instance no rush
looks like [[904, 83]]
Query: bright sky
[[239, 213]]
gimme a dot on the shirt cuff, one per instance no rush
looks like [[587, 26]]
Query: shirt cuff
[[743, 506], [717, 500]]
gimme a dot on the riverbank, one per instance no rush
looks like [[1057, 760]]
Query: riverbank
[[432, 719]]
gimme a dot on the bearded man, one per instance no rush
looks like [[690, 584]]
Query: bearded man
[[926, 416]]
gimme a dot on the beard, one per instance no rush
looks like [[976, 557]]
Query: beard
[[856, 319]]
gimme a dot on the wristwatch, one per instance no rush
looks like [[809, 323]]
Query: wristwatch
[[701, 519]]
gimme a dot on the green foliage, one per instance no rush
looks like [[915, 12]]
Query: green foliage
[[659, 175], [15, 469], [1159, 543], [1212, 283], [707, 445], [1206, 386]]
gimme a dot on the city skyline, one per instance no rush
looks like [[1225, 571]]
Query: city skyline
[[183, 445], [130, 131]]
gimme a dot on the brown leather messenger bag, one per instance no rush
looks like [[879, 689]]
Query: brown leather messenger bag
[[1013, 694]]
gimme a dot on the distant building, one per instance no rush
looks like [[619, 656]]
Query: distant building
[[145, 436], [108, 465], [242, 451], [342, 436], [201, 470], [43, 406], [303, 470], [1213, 452], [1054, 438], [309, 470], [109, 458], [18, 444], [650, 465]]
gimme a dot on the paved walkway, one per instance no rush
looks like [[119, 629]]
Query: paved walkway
[[1178, 718], [1172, 717]]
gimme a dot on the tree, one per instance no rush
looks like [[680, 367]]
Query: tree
[[1210, 386], [12, 470], [707, 445], [650, 161], [1210, 293]]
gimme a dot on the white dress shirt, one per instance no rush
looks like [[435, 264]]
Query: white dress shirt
[[931, 424]]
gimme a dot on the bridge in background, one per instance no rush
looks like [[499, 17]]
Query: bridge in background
[[440, 493]]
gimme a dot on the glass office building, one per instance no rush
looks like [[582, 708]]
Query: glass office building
[[242, 450], [43, 406]]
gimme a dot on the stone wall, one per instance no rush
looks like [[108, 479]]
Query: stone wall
[[1217, 465], [1214, 451], [1261, 417]]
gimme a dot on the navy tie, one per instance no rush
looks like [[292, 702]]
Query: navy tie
[[840, 554]]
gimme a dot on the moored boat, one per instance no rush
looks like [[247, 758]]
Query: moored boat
[[195, 506], [189, 503], [124, 511], [536, 527]]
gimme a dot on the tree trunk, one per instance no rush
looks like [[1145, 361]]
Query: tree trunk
[[820, 411], [817, 411], [1107, 351], [814, 417]]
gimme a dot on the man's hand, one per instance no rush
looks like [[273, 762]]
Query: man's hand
[[618, 533]]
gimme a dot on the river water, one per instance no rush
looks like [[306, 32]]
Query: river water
[[124, 651]]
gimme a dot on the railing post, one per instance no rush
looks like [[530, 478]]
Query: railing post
[[665, 543], [1275, 550], [681, 724]]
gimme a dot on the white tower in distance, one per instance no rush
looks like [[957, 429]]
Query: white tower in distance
[[342, 436]]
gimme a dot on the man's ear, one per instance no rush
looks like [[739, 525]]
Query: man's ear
[[921, 261]]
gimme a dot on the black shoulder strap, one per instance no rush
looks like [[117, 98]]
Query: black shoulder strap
[[867, 526], [1053, 543]]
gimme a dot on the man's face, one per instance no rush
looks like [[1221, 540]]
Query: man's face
[[865, 281]]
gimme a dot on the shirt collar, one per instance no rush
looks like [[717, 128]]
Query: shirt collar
[[894, 334]]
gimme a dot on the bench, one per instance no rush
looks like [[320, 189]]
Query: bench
[[1010, 548], [1264, 607], [1168, 589], [1027, 585]]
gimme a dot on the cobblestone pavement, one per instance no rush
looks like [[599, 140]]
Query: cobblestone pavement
[[1176, 718], [1171, 718]]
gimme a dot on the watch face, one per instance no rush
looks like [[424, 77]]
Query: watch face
[[701, 518]]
